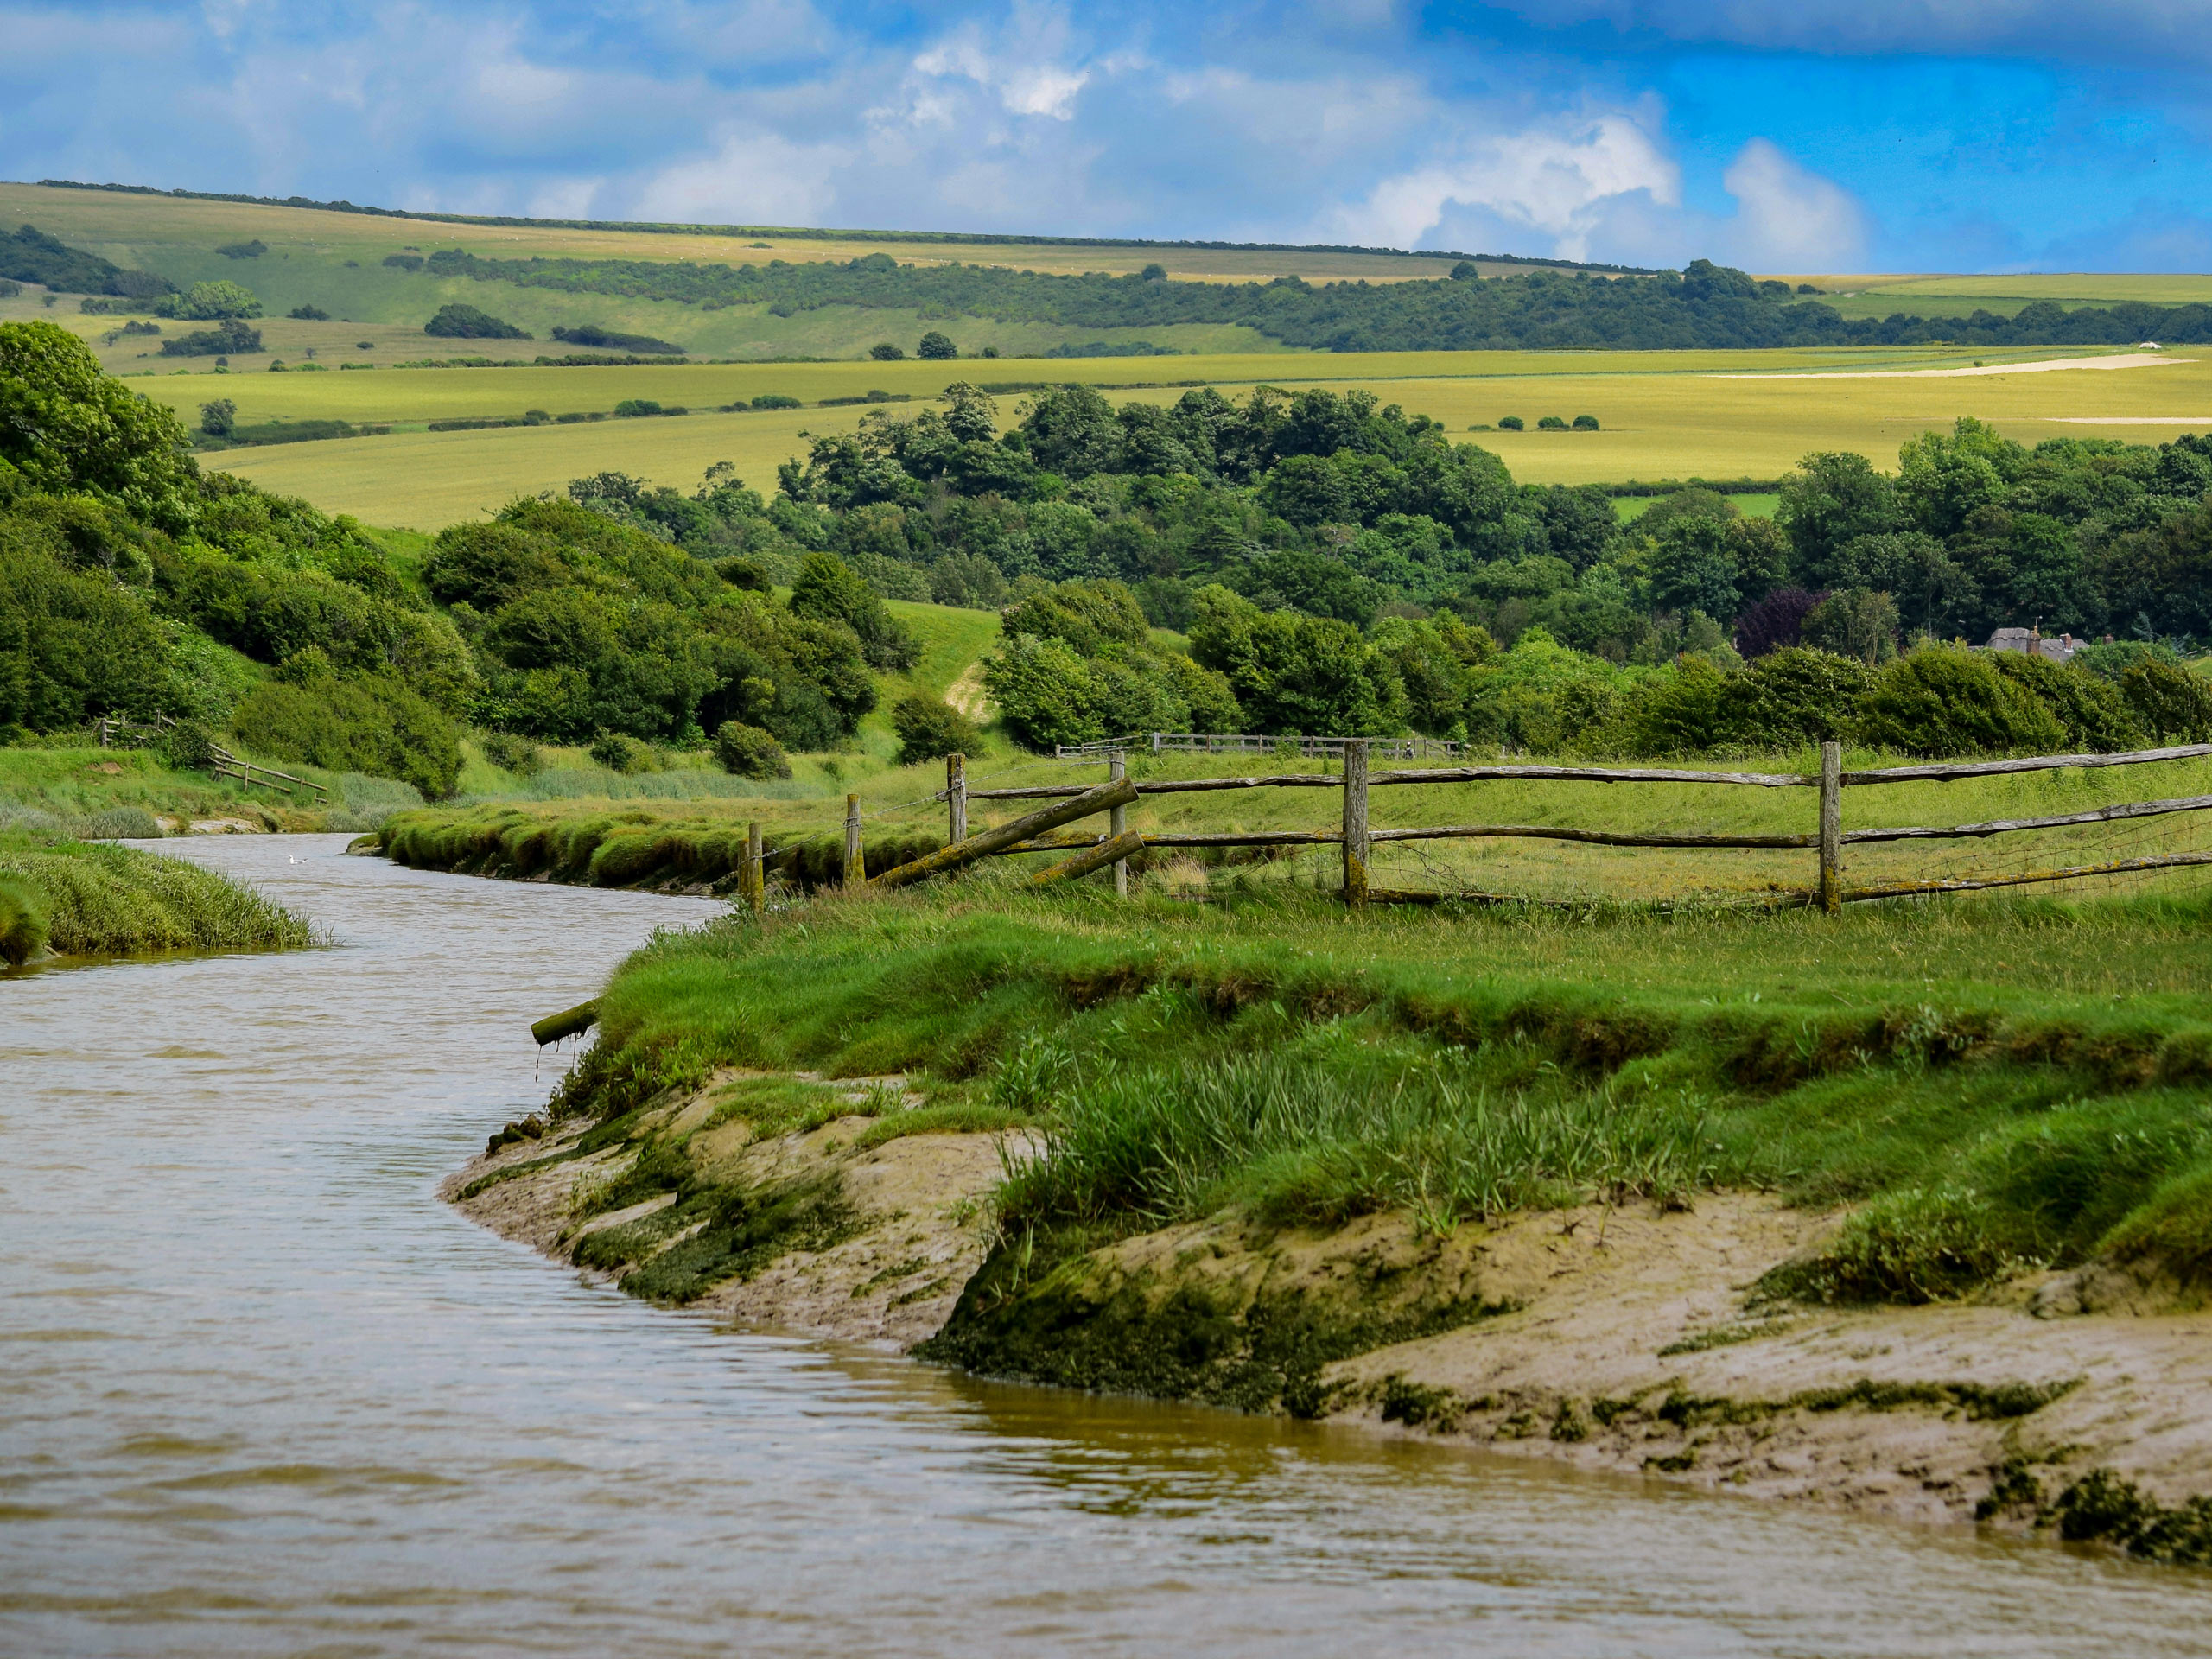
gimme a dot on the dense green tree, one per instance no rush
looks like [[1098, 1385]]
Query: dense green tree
[[65, 426]]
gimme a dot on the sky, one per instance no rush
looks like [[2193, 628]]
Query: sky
[[1781, 136]]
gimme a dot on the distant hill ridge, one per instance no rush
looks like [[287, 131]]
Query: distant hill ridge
[[812, 233]]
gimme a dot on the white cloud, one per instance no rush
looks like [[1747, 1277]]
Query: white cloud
[[757, 179], [1554, 181], [1789, 218]]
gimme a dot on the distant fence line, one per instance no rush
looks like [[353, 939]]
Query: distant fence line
[[1063, 804], [114, 731]]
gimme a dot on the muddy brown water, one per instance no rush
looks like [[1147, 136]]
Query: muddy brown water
[[260, 1393]]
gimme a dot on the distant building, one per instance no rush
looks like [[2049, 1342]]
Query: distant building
[[2060, 648]]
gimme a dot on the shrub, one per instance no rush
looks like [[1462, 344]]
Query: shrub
[[884, 352], [1551, 424], [308, 314], [2096, 717], [775, 400], [1776, 622], [512, 754], [373, 723], [225, 339], [467, 322], [123, 823], [828, 590], [210, 302], [749, 575], [620, 752], [631, 408], [930, 728], [2173, 704], [748, 751], [1945, 700], [252, 249], [591, 333], [403, 261], [22, 919], [937, 346], [1586, 422], [217, 416], [1510, 423], [1795, 694], [188, 746]]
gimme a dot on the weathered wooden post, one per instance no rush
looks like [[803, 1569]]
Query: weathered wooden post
[[755, 885], [1118, 825], [856, 864], [1102, 798], [1355, 825], [956, 797], [1832, 828]]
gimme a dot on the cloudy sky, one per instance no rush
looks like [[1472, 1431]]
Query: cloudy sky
[[1781, 135]]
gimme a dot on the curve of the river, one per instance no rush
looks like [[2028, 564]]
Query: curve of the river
[[260, 1393]]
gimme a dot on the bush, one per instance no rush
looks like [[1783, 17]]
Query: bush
[[22, 919], [828, 590], [1586, 422], [252, 249], [775, 400], [218, 417], [930, 728], [748, 751], [1551, 424], [2173, 704], [1946, 700], [1510, 423], [1776, 622], [749, 575], [632, 407], [511, 754], [308, 314], [937, 346], [467, 322], [1795, 694], [188, 746], [230, 338], [373, 723], [2095, 716], [211, 302], [884, 352], [620, 752], [123, 823]]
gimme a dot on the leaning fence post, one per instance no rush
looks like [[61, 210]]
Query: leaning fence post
[[1117, 824], [1355, 824], [755, 885], [855, 865], [956, 797], [1832, 828]]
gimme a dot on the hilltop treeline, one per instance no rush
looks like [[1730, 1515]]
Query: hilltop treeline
[[1705, 306]]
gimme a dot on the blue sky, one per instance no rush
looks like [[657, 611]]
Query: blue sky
[[1813, 135]]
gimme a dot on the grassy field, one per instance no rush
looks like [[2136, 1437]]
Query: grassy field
[[123, 794], [1879, 296], [1663, 415], [590, 837]]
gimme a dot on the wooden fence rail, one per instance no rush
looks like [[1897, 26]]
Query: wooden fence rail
[[1356, 838]]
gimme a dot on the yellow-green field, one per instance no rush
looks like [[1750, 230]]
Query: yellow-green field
[[1866, 295], [1663, 415]]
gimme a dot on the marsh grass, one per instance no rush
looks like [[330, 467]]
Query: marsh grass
[[106, 901], [1986, 1085]]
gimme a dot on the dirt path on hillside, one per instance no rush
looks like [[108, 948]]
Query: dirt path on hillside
[[2116, 361]]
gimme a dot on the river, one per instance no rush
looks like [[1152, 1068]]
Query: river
[[260, 1393]]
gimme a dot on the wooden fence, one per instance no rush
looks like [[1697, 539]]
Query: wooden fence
[[114, 731], [1060, 805], [1331, 748]]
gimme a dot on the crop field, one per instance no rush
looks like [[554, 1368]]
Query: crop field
[[1663, 415], [1864, 295]]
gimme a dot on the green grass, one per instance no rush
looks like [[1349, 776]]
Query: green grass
[[1270, 1053], [119, 793], [99, 900]]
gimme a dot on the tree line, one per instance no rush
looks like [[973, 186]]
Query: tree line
[[1703, 307]]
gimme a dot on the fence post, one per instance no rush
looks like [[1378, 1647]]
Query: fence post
[[1832, 828], [756, 875], [1355, 825], [1117, 824], [856, 864], [956, 797]]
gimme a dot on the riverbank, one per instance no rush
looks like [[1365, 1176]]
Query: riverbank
[[89, 792], [1905, 1212], [64, 897]]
